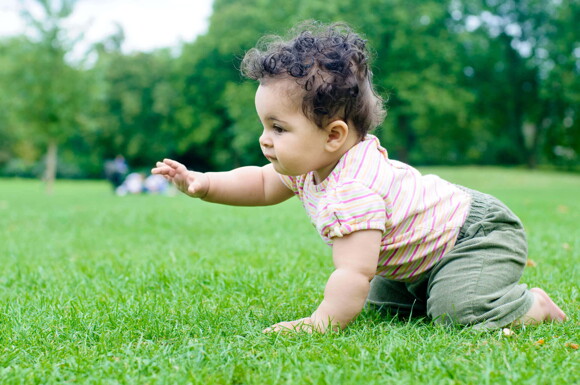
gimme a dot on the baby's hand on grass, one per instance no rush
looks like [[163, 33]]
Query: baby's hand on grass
[[299, 325], [195, 184]]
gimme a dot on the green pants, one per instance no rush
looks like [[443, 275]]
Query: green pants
[[476, 283]]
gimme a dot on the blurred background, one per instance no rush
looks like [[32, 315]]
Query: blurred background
[[487, 82]]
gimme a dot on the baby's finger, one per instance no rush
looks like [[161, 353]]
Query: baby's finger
[[157, 170], [174, 164], [271, 329], [163, 170], [279, 327]]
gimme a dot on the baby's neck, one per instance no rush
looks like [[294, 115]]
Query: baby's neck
[[322, 174]]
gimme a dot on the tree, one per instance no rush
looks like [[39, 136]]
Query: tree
[[560, 87], [467, 81], [518, 54], [415, 64], [138, 105], [9, 135], [53, 94], [418, 68], [216, 113]]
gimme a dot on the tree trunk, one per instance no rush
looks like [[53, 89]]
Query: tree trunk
[[50, 170], [532, 133]]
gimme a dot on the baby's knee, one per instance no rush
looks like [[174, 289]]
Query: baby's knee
[[484, 311], [451, 311]]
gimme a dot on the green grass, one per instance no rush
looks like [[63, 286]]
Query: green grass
[[99, 289]]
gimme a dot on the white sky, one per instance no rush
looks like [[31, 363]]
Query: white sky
[[148, 24]]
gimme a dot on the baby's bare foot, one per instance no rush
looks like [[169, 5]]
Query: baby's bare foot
[[551, 310]]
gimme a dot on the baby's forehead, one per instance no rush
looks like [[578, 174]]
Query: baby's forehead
[[286, 89], [284, 85]]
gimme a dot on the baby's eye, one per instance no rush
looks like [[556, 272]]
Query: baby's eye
[[278, 129]]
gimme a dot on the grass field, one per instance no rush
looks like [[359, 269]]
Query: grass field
[[99, 289]]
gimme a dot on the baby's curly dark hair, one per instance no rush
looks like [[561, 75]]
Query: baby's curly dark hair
[[330, 63]]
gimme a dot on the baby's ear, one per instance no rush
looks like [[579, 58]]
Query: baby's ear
[[337, 132]]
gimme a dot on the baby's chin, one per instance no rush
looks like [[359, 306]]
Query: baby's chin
[[282, 171]]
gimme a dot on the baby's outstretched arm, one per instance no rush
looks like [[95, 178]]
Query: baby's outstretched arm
[[244, 186], [355, 259]]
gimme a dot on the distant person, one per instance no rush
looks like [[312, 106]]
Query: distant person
[[133, 184], [116, 170], [404, 242], [155, 184]]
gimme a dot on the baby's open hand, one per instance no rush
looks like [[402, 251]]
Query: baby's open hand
[[194, 184]]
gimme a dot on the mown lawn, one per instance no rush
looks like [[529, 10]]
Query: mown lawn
[[99, 289]]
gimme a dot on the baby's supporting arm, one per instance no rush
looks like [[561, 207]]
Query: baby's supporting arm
[[244, 186], [355, 259]]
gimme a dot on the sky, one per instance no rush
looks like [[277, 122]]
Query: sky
[[148, 24]]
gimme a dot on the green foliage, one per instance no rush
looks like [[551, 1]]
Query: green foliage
[[138, 102], [520, 72], [561, 89], [245, 128], [137, 290], [467, 81], [215, 101], [48, 99]]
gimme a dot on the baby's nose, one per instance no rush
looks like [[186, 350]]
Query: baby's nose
[[265, 140]]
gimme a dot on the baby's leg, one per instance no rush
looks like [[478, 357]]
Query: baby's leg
[[477, 281], [543, 309], [391, 297]]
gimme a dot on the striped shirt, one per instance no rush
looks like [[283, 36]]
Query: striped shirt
[[419, 215]]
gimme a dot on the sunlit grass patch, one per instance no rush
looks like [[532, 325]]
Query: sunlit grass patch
[[151, 289]]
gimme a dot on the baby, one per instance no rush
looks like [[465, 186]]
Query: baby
[[401, 241]]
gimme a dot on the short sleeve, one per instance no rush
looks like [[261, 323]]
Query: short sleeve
[[290, 182], [350, 207]]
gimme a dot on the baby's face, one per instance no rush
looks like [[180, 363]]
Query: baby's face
[[293, 143]]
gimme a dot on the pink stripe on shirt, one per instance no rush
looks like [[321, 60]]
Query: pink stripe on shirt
[[420, 215]]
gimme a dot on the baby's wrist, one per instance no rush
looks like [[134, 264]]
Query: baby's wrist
[[323, 322], [208, 184]]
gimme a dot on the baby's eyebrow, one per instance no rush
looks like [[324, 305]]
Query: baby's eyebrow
[[271, 117]]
